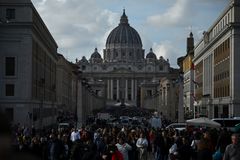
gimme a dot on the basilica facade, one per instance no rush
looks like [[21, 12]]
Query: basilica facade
[[124, 75]]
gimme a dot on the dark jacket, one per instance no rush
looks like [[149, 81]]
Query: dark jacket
[[77, 150], [91, 153], [184, 152], [232, 152], [204, 154]]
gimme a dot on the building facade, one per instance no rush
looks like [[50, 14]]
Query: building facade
[[28, 65], [66, 85], [89, 101], [168, 99], [127, 76], [217, 66], [188, 86]]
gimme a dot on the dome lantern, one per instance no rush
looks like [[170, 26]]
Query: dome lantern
[[124, 18]]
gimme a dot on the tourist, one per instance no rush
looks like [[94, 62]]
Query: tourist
[[123, 147], [204, 151], [232, 151], [75, 135], [142, 145]]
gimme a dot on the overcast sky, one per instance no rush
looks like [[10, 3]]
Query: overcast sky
[[78, 26]]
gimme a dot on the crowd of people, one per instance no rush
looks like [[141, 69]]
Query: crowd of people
[[125, 143]]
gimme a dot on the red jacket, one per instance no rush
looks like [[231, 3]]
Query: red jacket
[[117, 156]]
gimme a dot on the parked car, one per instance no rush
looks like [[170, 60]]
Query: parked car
[[177, 126], [62, 126], [113, 122], [125, 122], [124, 117], [136, 124], [228, 123], [139, 119]]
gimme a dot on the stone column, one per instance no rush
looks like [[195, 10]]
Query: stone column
[[136, 87], [108, 89], [132, 90], [111, 89], [126, 90], [117, 89]]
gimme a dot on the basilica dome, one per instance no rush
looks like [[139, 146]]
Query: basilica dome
[[124, 34], [151, 55], [123, 44], [96, 57], [95, 54]]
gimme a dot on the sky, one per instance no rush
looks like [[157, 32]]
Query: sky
[[79, 26]]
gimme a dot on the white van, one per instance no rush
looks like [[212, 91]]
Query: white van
[[63, 126]]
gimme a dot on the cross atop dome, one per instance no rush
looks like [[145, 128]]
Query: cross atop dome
[[191, 34], [124, 18], [151, 50], [124, 12]]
